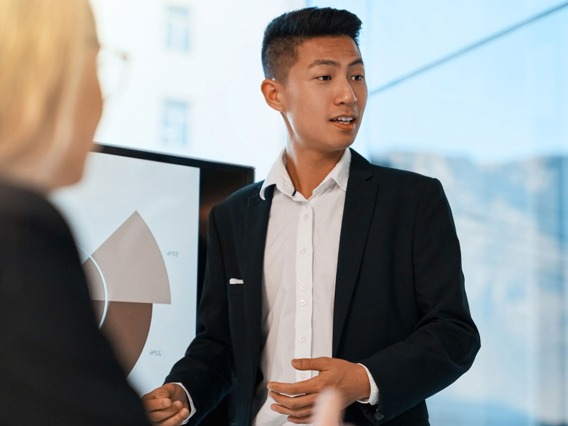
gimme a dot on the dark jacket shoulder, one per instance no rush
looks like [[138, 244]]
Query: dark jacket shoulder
[[240, 199], [20, 206], [386, 174]]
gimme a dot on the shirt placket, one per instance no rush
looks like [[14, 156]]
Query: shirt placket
[[304, 274]]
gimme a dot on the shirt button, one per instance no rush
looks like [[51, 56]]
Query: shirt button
[[302, 302], [302, 339], [302, 250], [303, 376], [303, 287], [306, 216]]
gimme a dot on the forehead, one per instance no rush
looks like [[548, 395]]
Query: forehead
[[341, 49]]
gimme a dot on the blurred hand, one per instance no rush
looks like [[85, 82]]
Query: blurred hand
[[296, 400], [327, 409], [167, 405]]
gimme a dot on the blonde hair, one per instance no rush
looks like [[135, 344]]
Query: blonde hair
[[42, 50]]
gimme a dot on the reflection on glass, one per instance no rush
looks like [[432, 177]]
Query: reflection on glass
[[177, 28], [175, 122]]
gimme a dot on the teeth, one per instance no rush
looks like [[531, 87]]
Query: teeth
[[344, 119]]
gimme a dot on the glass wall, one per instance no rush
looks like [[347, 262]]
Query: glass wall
[[473, 92]]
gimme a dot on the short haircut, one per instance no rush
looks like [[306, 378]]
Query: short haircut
[[286, 32], [42, 51]]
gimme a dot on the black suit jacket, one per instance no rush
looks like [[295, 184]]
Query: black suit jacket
[[400, 303], [55, 366]]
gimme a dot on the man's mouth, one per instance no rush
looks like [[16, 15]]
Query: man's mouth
[[343, 121]]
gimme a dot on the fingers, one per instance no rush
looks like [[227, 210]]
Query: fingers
[[298, 388], [172, 415], [293, 402], [158, 399], [161, 392], [165, 412], [313, 385], [306, 386], [317, 364], [156, 403], [166, 406], [174, 420], [297, 408]]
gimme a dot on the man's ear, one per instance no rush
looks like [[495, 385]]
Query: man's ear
[[273, 93]]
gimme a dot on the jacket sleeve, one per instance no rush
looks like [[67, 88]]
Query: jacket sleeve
[[445, 340]]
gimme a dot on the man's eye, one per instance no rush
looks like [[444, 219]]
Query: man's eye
[[358, 77], [324, 78]]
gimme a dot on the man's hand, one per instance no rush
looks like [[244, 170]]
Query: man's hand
[[296, 400], [167, 405]]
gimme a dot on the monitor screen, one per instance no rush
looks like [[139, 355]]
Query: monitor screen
[[140, 222]]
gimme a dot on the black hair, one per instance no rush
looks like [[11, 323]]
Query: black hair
[[283, 35]]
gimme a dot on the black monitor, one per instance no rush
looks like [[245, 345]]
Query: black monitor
[[140, 221]]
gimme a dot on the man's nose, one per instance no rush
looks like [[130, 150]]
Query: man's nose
[[345, 92]]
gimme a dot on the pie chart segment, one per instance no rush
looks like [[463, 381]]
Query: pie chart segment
[[126, 326], [132, 264]]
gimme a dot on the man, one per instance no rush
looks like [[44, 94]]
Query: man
[[330, 273]]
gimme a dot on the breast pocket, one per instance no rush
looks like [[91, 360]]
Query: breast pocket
[[235, 287]]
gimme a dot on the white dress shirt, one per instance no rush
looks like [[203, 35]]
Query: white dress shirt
[[299, 271]]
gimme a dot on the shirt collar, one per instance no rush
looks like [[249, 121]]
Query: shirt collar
[[278, 175]]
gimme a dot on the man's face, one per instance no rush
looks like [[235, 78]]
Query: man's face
[[324, 97]]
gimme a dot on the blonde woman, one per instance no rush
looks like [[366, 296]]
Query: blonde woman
[[55, 366]]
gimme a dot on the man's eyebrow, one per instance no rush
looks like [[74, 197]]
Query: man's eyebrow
[[358, 61], [331, 62]]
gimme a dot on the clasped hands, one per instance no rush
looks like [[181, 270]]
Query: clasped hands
[[350, 380], [168, 405]]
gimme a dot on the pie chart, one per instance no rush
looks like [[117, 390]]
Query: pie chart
[[127, 275]]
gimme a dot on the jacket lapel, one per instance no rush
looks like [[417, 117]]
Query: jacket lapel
[[360, 199], [256, 225]]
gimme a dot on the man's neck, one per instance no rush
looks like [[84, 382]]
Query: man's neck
[[308, 169]]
